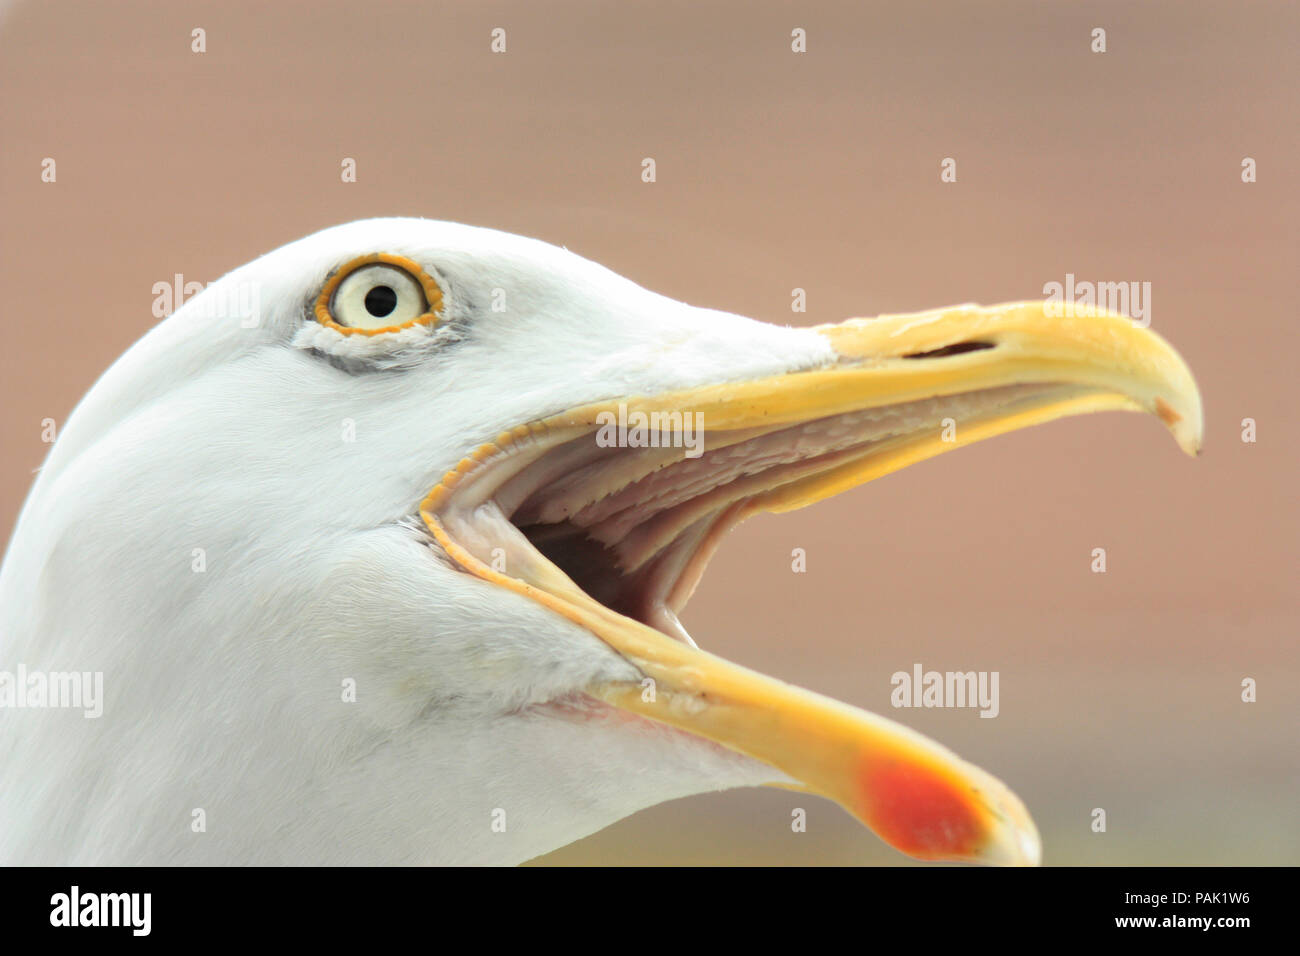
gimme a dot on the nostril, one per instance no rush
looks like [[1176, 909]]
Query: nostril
[[956, 349]]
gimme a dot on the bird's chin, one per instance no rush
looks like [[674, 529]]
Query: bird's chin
[[609, 513]]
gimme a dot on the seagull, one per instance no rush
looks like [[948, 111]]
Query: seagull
[[379, 545]]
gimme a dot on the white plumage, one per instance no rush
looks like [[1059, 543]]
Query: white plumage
[[223, 688], [206, 533]]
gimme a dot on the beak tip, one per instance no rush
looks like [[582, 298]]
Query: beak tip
[[1187, 427], [1031, 847], [1017, 845], [1191, 438]]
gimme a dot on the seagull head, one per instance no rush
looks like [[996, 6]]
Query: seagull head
[[381, 543]]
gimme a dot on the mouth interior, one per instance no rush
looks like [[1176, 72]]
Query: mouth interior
[[633, 525]]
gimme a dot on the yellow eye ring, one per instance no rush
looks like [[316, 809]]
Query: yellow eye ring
[[432, 294]]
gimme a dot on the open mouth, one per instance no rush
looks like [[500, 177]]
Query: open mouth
[[609, 513]]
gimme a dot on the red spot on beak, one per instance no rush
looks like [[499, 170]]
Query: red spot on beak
[[920, 812]]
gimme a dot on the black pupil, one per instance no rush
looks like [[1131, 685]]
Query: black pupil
[[380, 301]]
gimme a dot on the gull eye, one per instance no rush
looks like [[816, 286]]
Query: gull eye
[[378, 297], [379, 293]]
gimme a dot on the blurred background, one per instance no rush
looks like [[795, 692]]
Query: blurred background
[[775, 171]]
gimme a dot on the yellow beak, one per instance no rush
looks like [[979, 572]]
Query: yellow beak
[[915, 794]]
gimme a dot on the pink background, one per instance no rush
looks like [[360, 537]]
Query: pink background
[[778, 170]]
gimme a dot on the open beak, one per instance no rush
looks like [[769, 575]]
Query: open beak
[[904, 388]]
